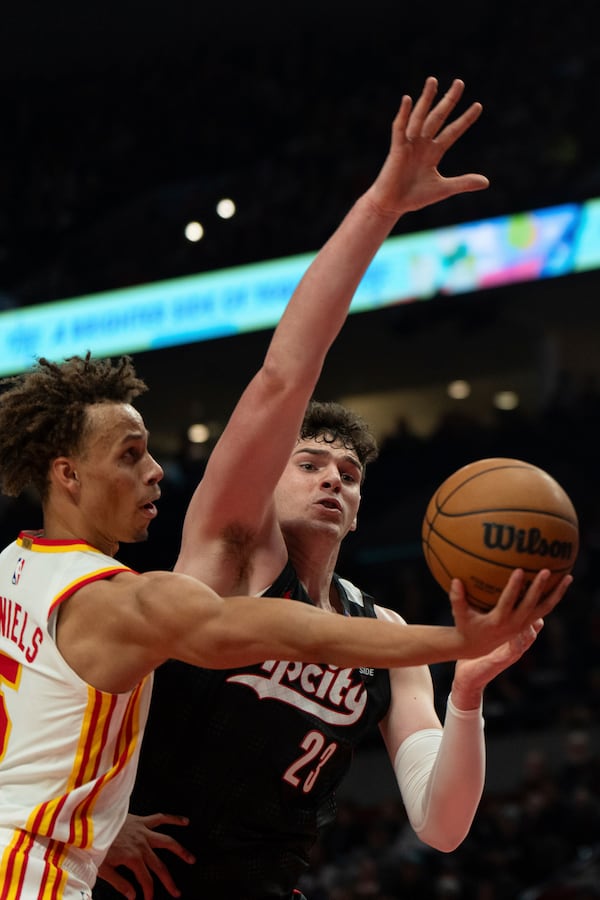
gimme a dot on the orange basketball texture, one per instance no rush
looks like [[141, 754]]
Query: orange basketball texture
[[493, 516]]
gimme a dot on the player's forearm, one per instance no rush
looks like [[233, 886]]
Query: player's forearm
[[319, 306], [383, 644], [252, 630], [441, 777]]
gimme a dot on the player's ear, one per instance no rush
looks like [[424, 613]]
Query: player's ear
[[354, 525], [64, 474]]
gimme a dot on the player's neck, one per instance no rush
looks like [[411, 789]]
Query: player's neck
[[315, 571]]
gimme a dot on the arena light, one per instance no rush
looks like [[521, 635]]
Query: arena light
[[198, 433], [226, 208], [194, 231], [506, 400], [459, 389]]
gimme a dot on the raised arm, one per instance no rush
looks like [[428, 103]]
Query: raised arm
[[251, 454]]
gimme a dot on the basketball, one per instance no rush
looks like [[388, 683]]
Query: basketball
[[493, 516]]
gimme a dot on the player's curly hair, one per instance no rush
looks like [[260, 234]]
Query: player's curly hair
[[330, 422], [42, 414]]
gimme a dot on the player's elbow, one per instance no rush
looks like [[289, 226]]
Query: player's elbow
[[446, 840]]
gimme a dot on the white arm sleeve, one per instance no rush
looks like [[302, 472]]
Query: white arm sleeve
[[441, 776]]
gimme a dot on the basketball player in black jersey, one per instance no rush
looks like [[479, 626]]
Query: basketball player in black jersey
[[253, 756]]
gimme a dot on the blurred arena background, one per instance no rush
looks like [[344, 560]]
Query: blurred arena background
[[122, 122]]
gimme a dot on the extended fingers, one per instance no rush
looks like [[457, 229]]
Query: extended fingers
[[414, 126], [547, 603], [161, 871], [166, 842], [511, 593], [400, 122], [426, 122], [421, 122], [440, 112], [110, 875], [529, 600], [155, 819], [455, 129], [537, 601]]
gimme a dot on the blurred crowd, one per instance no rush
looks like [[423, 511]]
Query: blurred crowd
[[537, 841]]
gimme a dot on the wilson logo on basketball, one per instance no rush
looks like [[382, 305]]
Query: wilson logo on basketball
[[499, 536]]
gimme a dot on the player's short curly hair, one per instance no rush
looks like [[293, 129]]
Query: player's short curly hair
[[43, 414], [331, 422]]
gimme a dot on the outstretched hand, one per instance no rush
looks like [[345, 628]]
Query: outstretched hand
[[134, 848], [471, 676], [509, 619], [409, 178]]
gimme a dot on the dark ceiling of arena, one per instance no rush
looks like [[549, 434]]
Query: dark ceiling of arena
[[122, 120]]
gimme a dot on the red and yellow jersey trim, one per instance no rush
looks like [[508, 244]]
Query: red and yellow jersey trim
[[78, 583], [36, 542]]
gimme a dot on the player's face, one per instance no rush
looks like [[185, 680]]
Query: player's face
[[320, 489], [118, 477]]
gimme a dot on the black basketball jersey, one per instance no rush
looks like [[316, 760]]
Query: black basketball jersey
[[253, 756]]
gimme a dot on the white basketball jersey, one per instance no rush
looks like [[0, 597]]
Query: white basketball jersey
[[68, 752]]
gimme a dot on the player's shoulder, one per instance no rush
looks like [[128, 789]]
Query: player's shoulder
[[389, 615], [360, 598], [352, 593]]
